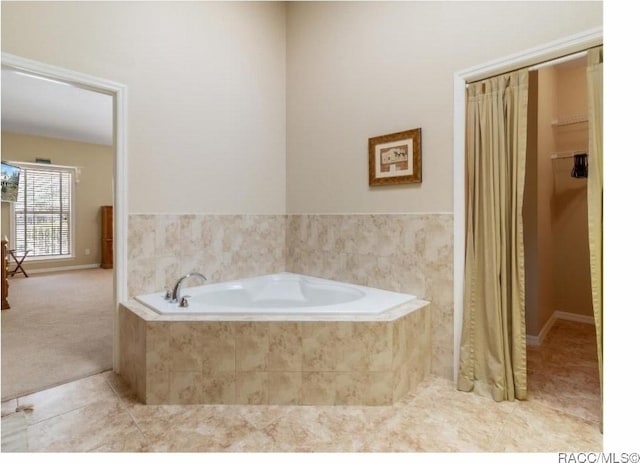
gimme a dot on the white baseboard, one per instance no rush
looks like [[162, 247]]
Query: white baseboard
[[62, 269], [557, 315], [532, 340], [539, 339], [574, 317]]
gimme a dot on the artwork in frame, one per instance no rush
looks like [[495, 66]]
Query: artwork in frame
[[10, 182], [396, 158]]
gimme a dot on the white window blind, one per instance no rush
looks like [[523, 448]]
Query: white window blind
[[43, 221]]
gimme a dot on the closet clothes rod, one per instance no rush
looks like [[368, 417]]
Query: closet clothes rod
[[567, 154]]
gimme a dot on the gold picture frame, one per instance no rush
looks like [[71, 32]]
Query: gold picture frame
[[396, 158]]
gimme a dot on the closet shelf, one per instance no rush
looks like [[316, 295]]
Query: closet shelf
[[570, 120]]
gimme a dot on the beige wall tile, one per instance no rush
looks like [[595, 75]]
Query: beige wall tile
[[142, 276], [206, 353], [141, 236], [415, 369], [219, 387], [133, 351], [410, 253], [284, 387], [158, 344], [252, 346], [252, 387], [318, 388], [185, 344], [223, 247], [351, 342], [380, 347], [351, 387], [401, 383], [364, 388], [185, 387], [319, 352], [399, 343], [442, 341], [167, 273], [218, 347], [379, 388], [159, 361], [167, 235], [158, 387], [285, 347]]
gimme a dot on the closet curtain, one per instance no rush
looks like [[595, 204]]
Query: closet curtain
[[493, 345], [594, 189]]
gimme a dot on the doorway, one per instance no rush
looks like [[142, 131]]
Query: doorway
[[555, 198], [117, 92], [562, 358], [530, 57]]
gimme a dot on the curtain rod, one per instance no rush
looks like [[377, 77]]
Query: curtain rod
[[562, 59], [543, 64]]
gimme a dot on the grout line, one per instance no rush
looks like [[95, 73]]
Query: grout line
[[128, 411], [115, 392], [145, 438], [31, 423], [501, 432]]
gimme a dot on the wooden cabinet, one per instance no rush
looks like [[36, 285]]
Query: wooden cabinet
[[5, 284], [107, 236]]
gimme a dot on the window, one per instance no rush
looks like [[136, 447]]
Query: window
[[43, 212]]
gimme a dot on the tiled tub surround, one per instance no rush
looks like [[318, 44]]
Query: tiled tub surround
[[223, 247], [409, 253], [327, 360]]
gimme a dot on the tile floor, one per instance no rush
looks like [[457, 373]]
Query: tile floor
[[100, 414]]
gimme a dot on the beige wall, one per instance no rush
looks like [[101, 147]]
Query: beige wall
[[206, 82], [539, 294], [357, 70], [214, 85], [547, 103], [93, 190]]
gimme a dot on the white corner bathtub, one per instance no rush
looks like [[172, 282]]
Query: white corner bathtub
[[280, 293]]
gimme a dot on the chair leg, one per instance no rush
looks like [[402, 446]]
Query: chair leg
[[19, 268]]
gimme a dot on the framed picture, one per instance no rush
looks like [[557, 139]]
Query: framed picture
[[10, 182], [396, 158]]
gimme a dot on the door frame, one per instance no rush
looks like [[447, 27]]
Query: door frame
[[526, 58], [119, 93]]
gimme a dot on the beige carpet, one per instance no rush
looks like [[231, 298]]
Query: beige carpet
[[59, 328]]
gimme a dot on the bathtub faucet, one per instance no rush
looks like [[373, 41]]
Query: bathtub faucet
[[175, 295]]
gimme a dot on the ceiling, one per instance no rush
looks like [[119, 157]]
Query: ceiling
[[39, 106]]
